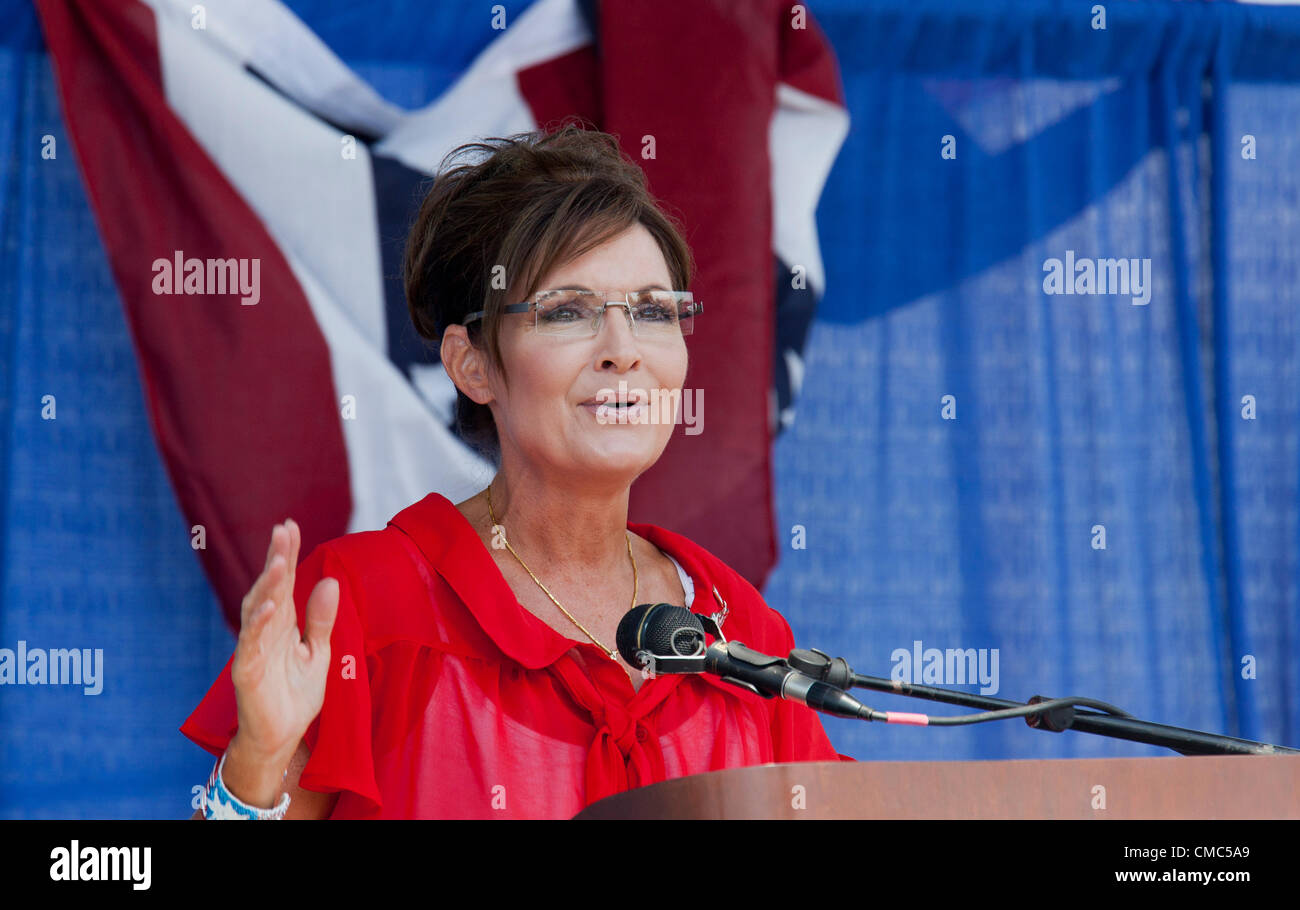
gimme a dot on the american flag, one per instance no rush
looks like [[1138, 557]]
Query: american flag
[[229, 133]]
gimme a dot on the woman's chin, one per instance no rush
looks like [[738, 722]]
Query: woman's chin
[[628, 450]]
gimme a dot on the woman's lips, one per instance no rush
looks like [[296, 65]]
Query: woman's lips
[[610, 398], [613, 413]]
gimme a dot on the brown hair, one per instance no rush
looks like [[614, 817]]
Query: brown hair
[[536, 201]]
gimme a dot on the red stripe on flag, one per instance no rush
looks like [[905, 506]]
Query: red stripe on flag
[[807, 59], [564, 87], [241, 398], [700, 77]]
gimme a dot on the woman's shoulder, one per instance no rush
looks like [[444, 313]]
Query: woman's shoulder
[[390, 576], [364, 555], [422, 532]]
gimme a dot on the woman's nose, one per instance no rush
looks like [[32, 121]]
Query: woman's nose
[[616, 335], [621, 318]]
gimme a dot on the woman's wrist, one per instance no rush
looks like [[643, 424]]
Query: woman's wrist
[[252, 777]]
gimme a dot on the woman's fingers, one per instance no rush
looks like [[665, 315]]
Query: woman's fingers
[[263, 585], [277, 539], [281, 592], [268, 610], [295, 541], [276, 581], [263, 588], [322, 608], [284, 587]]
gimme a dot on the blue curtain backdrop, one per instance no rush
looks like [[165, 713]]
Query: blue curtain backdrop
[[1070, 412]]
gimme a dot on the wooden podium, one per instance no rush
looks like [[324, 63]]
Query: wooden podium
[[1176, 787]]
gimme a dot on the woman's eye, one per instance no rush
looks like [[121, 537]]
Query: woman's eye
[[654, 312], [562, 314]]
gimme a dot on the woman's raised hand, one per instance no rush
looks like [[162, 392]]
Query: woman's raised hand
[[279, 675]]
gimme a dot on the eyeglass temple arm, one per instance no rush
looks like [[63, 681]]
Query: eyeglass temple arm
[[508, 308]]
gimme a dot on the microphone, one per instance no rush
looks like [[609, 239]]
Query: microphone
[[659, 630], [670, 639]]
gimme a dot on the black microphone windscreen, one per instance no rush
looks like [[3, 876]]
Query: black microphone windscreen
[[662, 629]]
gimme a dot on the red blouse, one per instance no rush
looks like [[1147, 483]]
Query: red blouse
[[460, 703]]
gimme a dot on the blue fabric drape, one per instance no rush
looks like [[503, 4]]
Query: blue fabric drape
[[1072, 412]]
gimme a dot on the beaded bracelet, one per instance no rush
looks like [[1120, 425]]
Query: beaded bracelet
[[220, 803]]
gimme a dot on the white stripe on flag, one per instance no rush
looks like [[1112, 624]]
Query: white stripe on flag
[[320, 209], [486, 101], [805, 137], [269, 37]]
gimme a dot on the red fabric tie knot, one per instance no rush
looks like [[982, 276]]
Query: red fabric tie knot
[[620, 725], [624, 752]]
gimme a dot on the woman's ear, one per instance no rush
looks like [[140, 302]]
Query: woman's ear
[[466, 365]]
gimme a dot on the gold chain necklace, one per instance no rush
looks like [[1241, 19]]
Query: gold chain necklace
[[627, 539]]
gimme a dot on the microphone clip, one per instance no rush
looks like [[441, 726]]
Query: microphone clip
[[834, 671]]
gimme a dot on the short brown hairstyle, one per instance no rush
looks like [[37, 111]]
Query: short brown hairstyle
[[537, 200]]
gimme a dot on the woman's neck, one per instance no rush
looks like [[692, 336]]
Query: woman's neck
[[564, 526]]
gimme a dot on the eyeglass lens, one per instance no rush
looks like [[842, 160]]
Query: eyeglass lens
[[654, 313]]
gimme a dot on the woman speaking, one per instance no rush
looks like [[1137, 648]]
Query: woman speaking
[[461, 662]]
